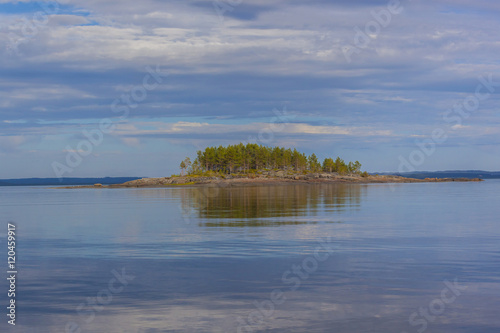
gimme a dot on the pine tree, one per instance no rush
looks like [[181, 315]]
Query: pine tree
[[242, 158], [314, 165], [185, 165]]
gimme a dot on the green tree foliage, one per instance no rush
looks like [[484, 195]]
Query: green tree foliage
[[313, 163], [328, 165], [183, 167], [244, 158], [186, 164], [340, 166]]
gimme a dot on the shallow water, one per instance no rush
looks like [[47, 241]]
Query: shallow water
[[341, 258]]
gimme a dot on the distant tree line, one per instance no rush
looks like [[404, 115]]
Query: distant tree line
[[242, 158]]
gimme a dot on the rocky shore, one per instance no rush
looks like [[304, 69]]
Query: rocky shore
[[271, 178]]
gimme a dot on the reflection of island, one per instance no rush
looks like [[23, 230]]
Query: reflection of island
[[261, 205]]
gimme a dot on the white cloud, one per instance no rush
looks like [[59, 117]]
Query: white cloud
[[457, 127], [265, 54], [156, 128]]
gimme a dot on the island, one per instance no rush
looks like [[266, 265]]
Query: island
[[253, 164]]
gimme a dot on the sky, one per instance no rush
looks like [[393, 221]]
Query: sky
[[129, 88]]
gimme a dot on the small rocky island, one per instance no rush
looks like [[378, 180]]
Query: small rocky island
[[252, 164], [277, 178]]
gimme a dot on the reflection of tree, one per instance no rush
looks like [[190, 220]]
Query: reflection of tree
[[257, 205]]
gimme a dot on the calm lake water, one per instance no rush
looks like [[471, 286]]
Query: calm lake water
[[319, 258]]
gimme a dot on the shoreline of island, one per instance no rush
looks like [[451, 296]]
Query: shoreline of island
[[263, 180], [253, 165]]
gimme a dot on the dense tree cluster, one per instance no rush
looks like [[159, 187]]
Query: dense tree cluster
[[244, 158]]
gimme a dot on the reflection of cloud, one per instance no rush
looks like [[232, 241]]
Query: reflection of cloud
[[351, 292]]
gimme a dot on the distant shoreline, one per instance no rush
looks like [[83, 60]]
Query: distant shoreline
[[258, 180], [64, 181]]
